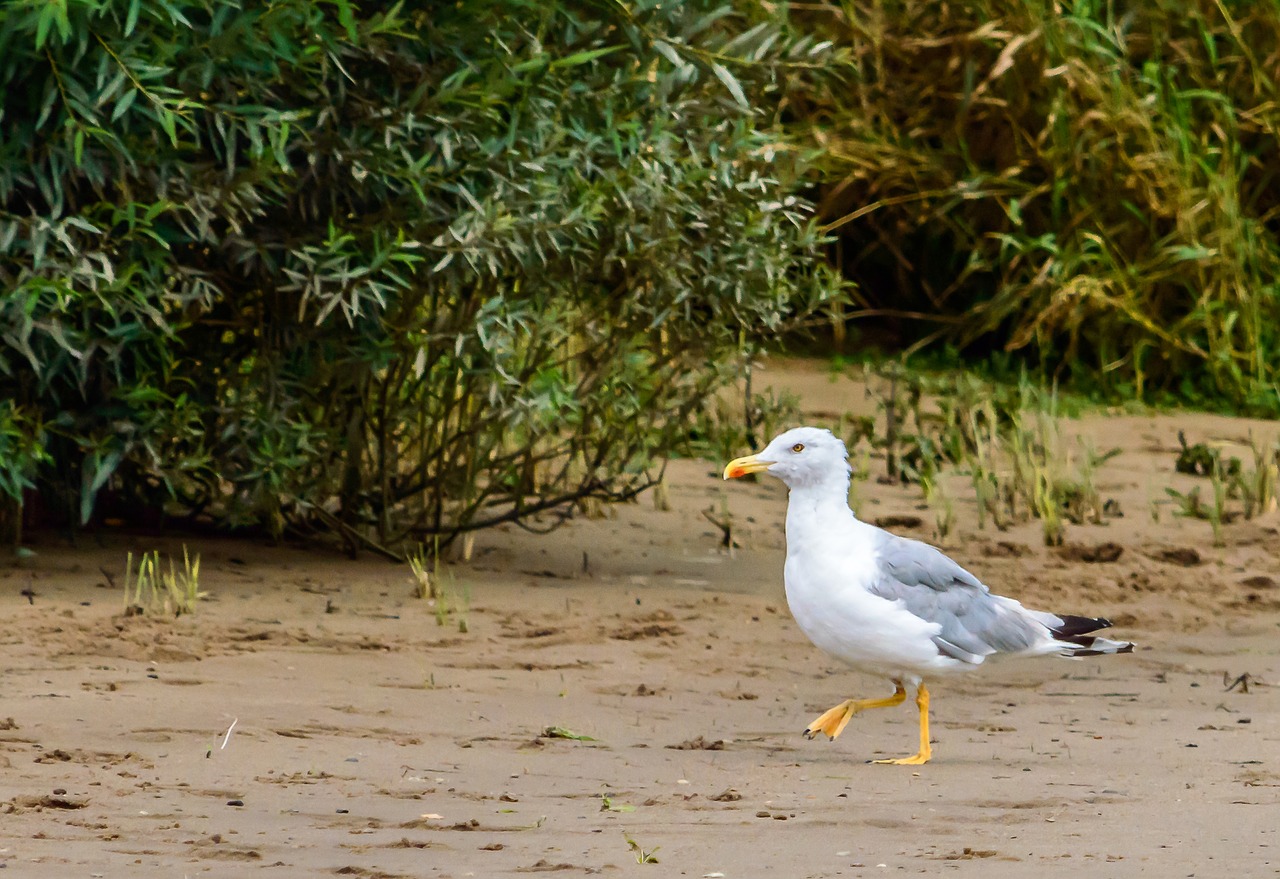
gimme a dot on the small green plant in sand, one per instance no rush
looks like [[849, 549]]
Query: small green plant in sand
[[153, 590], [423, 577], [1229, 480], [722, 519], [1082, 501], [643, 855], [898, 395], [1218, 481], [608, 805], [439, 589], [932, 479], [563, 732], [1188, 503], [1191, 505], [1038, 466], [1048, 505], [451, 601], [943, 504], [1256, 487], [983, 463]]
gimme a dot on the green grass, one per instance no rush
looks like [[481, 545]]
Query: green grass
[[1006, 438], [438, 587], [152, 590], [1085, 188]]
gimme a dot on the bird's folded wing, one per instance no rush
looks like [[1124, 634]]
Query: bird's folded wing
[[974, 623], [920, 564]]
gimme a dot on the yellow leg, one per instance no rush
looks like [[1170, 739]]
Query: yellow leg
[[925, 752], [834, 720]]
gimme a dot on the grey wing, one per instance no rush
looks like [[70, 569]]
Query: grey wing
[[975, 623]]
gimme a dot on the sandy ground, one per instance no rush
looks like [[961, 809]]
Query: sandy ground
[[370, 741]]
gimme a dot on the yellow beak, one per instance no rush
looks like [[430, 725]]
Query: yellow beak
[[742, 466]]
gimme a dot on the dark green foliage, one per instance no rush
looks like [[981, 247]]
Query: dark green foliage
[[394, 271], [1091, 183]]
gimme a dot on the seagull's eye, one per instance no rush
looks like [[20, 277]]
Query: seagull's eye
[[797, 448]]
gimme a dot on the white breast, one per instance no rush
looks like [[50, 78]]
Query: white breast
[[828, 570]]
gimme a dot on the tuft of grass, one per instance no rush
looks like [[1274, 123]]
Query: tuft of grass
[[1256, 486], [424, 586], [1048, 506], [1082, 502], [984, 472], [932, 479], [1188, 503], [438, 588], [452, 601], [643, 855], [151, 589], [1218, 481]]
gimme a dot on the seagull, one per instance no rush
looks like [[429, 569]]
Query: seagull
[[890, 605]]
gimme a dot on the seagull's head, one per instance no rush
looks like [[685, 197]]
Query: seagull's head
[[802, 456]]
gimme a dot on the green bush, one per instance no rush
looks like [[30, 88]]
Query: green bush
[[394, 272], [1090, 183]]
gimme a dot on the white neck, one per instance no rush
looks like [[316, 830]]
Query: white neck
[[831, 490], [817, 510]]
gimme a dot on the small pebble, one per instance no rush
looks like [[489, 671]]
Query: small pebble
[[343, 811], [235, 802]]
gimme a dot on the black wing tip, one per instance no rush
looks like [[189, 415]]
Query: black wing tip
[[1073, 625], [1125, 647]]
